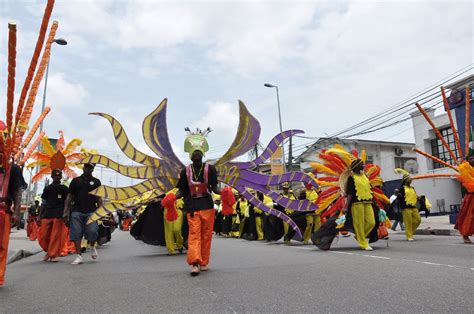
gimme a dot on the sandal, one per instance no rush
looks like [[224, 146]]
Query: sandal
[[195, 270]]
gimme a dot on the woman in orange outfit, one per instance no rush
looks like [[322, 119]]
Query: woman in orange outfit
[[52, 228], [196, 183]]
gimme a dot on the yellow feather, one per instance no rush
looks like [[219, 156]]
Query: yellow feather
[[323, 169], [47, 147], [466, 176], [324, 204], [363, 155], [71, 146], [342, 153]]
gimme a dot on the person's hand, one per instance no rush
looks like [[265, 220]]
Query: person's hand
[[66, 219], [16, 219]]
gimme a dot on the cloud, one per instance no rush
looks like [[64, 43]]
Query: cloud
[[62, 93]]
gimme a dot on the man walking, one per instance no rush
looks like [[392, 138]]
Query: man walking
[[79, 207]]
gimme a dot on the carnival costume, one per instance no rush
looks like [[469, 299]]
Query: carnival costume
[[362, 216], [408, 199], [161, 174], [464, 171], [12, 140]]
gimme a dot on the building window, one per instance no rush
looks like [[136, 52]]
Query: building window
[[370, 159], [407, 163], [438, 149]]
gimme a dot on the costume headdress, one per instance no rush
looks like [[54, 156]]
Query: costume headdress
[[336, 167], [405, 174], [196, 141], [161, 173], [62, 157]]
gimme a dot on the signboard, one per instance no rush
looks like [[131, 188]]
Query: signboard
[[276, 161]]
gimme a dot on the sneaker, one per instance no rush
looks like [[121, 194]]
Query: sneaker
[[204, 268], [94, 253], [410, 239], [78, 260], [369, 248]]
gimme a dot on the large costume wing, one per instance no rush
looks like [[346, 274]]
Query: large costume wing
[[247, 135], [155, 134]]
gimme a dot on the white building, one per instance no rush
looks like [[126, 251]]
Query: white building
[[388, 155], [444, 193]]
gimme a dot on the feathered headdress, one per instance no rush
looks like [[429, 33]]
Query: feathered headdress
[[336, 166]]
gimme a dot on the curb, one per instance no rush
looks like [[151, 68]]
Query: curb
[[441, 232], [18, 255]]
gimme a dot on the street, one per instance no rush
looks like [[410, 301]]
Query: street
[[431, 274]]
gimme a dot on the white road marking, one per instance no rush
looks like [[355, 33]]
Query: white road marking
[[386, 258]]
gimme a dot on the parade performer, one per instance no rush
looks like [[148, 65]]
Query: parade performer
[[462, 167], [259, 216], [313, 220], [173, 228], [52, 228], [62, 157], [465, 221], [162, 174], [408, 204], [288, 194], [12, 136], [351, 198], [195, 185], [32, 224]]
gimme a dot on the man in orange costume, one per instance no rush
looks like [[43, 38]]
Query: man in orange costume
[[52, 228], [196, 183], [16, 183]]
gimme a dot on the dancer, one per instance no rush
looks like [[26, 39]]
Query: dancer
[[196, 182], [313, 220], [408, 200], [288, 194], [351, 198], [465, 221], [173, 228], [51, 237]]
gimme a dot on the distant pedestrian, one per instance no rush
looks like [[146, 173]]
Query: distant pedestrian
[[395, 205], [79, 207], [32, 223]]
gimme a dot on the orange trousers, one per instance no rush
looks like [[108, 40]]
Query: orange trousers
[[51, 237], [201, 226], [68, 245], [4, 245], [32, 229], [126, 223]]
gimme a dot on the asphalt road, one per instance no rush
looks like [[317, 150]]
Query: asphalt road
[[431, 274]]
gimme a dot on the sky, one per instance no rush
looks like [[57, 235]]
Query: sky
[[335, 62]]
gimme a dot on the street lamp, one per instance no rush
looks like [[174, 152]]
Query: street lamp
[[279, 118], [61, 42]]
